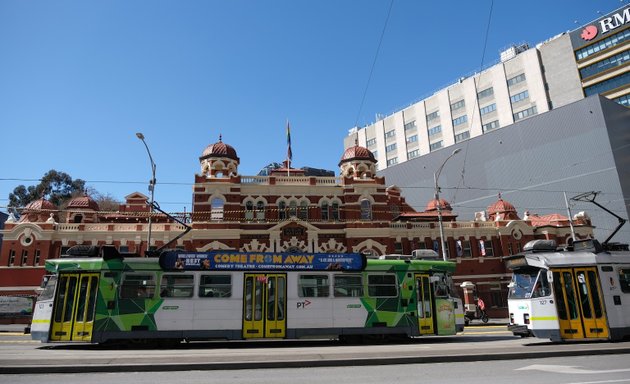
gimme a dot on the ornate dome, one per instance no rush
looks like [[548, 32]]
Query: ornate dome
[[83, 202], [219, 149], [38, 211], [40, 205], [504, 209], [357, 153], [432, 205]]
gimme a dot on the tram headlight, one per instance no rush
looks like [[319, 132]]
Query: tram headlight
[[526, 318]]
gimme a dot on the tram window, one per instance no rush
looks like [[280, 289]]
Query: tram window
[[49, 290], [215, 286], [624, 279], [313, 286], [348, 286], [522, 284], [137, 285], [542, 289], [177, 286], [383, 285]]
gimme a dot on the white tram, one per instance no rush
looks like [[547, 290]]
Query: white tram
[[582, 294]]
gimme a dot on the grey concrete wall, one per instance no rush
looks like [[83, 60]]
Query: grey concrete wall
[[531, 163], [561, 73]]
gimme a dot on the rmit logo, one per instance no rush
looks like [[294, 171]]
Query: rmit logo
[[303, 304], [589, 33], [615, 21]]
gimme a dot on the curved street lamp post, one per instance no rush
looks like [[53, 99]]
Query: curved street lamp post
[[436, 176], [140, 136]]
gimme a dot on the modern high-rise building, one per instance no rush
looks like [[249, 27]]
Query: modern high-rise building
[[593, 59]]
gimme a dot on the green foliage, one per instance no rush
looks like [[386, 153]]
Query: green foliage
[[54, 186]]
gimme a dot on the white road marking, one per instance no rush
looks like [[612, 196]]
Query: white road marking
[[569, 369]]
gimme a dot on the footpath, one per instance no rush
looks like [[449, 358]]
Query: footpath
[[19, 355]]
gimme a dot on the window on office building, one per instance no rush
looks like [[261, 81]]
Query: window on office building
[[608, 85], [610, 62], [516, 79], [490, 126], [485, 93], [435, 130], [391, 147], [460, 120], [525, 113], [623, 100], [371, 142], [462, 136], [433, 116], [488, 108], [412, 139], [436, 145], [458, 105], [392, 161], [390, 134], [413, 154], [519, 97], [410, 125]]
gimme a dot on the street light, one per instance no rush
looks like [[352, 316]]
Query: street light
[[436, 176], [140, 136]]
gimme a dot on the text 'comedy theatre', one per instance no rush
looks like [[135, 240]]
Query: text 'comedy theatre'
[[543, 121]]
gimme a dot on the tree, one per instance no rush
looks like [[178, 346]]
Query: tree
[[55, 186]]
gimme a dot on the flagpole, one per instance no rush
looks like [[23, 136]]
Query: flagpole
[[289, 153]]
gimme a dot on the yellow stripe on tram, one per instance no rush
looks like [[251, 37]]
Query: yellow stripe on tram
[[42, 321], [546, 318]]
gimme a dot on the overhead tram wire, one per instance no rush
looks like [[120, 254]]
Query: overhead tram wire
[[462, 180], [378, 49]]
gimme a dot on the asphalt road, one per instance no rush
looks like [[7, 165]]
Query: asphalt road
[[558, 370], [18, 354]]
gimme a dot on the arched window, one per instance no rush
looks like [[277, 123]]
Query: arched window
[[303, 213], [293, 209], [282, 210], [366, 209], [260, 210], [335, 211], [249, 210], [325, 212], [216, 209]]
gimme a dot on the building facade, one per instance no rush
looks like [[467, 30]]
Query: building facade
[[594, 59], [285, 211]]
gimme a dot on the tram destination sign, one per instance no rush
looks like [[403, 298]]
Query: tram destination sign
[[269, 261]]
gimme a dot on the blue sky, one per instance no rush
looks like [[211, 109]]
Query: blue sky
[[78, 79]]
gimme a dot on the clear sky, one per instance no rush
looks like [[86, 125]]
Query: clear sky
[[78, 79]]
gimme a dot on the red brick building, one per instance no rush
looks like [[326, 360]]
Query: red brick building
[[284, 212]]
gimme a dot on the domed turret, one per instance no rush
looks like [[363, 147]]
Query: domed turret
[[358, 162], [432, 205], [502, 210], [38, 211], [82, 209], [219, 160]]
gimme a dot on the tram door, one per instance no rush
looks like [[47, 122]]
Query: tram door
[[424, 305], [73, 315], [264, 305], [579, 300]]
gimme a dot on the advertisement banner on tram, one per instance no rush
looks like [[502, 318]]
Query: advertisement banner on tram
[[232, 260]]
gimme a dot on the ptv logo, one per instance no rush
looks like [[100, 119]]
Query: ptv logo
[[589, 33], [303, 304]]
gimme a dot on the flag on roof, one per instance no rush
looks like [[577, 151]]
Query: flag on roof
[[289, 153]]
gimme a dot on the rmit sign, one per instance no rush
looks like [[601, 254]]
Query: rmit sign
[[606, 25]]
